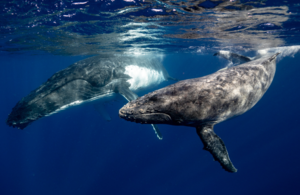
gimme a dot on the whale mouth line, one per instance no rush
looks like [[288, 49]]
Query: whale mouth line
[[154, 117], [156, 113]]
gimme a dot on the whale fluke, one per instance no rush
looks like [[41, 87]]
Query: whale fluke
[[233, 57], [215, 145]]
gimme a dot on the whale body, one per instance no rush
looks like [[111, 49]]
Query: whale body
[[206, 101], [94, 78]]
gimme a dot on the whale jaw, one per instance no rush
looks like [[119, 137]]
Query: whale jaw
[[21, 117], [17, 125], [157, 118]]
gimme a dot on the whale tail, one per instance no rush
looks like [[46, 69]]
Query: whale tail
[[234, 58], [215, 145]]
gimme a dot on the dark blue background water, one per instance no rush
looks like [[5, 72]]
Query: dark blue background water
[[77, 152]]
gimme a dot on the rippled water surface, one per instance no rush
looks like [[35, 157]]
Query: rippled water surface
[[102, 26]]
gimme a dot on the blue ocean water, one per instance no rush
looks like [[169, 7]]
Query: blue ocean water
[[77, 152]]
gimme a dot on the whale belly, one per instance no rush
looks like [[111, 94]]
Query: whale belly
[[142, 77]]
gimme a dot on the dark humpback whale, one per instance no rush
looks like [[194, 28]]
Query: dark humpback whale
[[206, 101], [98, 77]]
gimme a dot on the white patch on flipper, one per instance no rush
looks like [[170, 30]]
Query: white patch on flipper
[[105, 97], [142, 77]]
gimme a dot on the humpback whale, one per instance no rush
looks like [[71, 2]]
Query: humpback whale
[[206, 101], [94, 78]]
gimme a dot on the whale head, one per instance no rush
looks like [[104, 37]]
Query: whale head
[[154, 107], [22, 115]]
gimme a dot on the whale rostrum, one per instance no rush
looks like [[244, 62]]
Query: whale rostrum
[[94, 78], [206, 101]]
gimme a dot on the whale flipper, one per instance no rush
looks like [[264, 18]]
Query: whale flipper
[[215, 145], [233, 57], [169, 78], [129, 96], [157, 131], [101, 110]]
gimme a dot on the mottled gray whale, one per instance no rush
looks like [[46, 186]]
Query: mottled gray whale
[[94, 78], [206, 101]]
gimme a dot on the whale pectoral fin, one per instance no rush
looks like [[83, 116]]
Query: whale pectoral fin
[[169, 78], [215, 145], [157, 132], [223, 69], [129, 96], [101, 110]]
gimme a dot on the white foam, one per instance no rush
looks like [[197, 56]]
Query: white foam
[[157, 10], [142, 77], [284, 51], [225, 53], [80, 3]]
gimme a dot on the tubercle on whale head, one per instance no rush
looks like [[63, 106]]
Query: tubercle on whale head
[[17, 125], [147, 109], [16, 120], [152, 118], [22, 115]]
